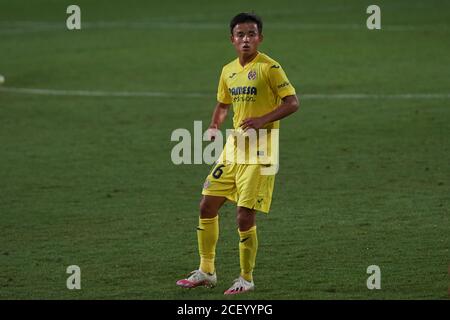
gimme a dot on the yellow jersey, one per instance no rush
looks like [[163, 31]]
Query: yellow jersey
[[254, 90]]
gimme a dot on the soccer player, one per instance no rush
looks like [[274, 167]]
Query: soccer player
[[261, 94]]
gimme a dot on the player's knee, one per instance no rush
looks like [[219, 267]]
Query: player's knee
[[207, 210], [245, 218]]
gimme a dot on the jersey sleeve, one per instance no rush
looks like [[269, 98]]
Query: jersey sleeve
[[223, 94], [279, 82]]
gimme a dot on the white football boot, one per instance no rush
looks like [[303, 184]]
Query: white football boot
[[198, 278], [240, 285]]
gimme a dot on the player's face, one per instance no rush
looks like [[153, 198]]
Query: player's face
[[246, 38]]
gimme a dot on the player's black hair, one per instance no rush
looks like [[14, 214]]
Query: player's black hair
[[246, 17]]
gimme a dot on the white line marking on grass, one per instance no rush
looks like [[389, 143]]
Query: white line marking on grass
[[96, 93], [401, 96], [161, 94]]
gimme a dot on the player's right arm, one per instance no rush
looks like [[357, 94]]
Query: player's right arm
[[221, 109], [218, 117]]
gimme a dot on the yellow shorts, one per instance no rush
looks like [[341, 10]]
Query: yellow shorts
[[241, 183]]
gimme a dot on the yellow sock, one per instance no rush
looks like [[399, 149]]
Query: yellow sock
[[248, 246], [207, 235]]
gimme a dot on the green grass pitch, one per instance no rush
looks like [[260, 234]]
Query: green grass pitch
[[88, 180]]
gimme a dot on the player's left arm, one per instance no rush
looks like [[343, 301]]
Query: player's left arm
[[289, 105]]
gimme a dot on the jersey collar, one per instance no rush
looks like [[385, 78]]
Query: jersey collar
[[248, 65]]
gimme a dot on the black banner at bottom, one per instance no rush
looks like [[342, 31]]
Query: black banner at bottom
[[219, 309]]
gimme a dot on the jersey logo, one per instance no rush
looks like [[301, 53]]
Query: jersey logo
[[235, 91], [232, 75], [252, 75], [284, 84], [274, 66]]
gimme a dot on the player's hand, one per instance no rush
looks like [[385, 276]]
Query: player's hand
[[212, 132], [252, 123]]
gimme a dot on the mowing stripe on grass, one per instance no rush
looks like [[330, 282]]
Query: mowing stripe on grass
[[12, 27]]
